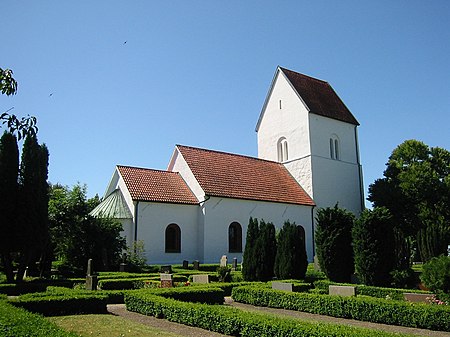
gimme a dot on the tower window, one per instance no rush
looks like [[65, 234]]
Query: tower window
[[282, 147], [335, 152], [280, 104]]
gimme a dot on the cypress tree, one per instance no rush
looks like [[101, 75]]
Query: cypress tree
[[266, 248], [9, 171], [334, 243], [250, 252], [291, 260]]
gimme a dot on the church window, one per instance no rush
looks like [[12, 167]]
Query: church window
[[280, 104], [235, 238], [282, 147], [173, 238], [335, 152]]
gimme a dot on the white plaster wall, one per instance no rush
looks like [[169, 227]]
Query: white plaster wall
[[291, 122], [127, 231], [301, 170], [221, 212], [178, 164], [153, 218]]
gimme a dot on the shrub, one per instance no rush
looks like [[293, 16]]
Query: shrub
[[436, 274], [334, 243], [224, 274], [249, 258], [291, 260], [265, 250], [38, 285], [364, 309]]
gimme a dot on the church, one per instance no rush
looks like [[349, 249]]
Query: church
[[199, 208]]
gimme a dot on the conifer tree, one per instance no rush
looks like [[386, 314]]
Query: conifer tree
[[250, 252], [9, 171], [291, 260], [266, 249]]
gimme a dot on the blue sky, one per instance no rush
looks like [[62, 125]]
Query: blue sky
[[122, 82]]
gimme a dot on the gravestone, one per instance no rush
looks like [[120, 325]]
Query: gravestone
[[283, 286], [200, 278], [196, 265], [417, 298], [123, 267], [234, 265], [166, 269], [344, 291], [91, 279], [185, 264], [166, 280], [224, 261]]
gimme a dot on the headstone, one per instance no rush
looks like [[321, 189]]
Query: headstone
[[91, 279], [185, 264], [283, 286], [123, 267], [166, 280], [235, 264], [196, 265], [417, 298], [200, 278], [224, 261], [344, 291], [166, 269]]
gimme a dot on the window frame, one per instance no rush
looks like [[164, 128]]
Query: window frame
[[172, 242]]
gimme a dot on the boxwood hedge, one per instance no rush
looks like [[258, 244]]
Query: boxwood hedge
[[360, 308]]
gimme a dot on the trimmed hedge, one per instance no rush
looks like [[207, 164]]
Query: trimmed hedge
[[112, 296], [13, 289], [234, 322], [17, 322], [374, 310], [379, 292], [298, 286], [207, 295], [62, 304]]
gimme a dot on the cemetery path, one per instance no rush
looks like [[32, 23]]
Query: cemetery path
[[328, 319], [163, 324]]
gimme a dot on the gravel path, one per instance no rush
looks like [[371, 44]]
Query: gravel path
[[188, 331]]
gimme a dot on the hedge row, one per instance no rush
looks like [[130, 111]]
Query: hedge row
[[12, 289], [395, 294], [112, 296], [360, 308], [17, 322], [62, 304], [234, 322]]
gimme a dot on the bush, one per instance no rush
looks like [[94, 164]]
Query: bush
[[224, 274], [17, 322], [436, 274], [364, 309], [249, 258], [38, 285], [334, 243]]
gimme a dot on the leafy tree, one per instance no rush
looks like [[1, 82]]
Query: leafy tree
[[250, 253], [9, 189], [77, 236], [135, 256], [416, 190], [265, 251], [373, 245], [436, 274], [334, 243], [291, 260]]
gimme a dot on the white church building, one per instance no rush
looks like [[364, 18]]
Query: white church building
[[199, 208]]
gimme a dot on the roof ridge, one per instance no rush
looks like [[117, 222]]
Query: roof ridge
[[146, 169], [229, 153], [297, 73]]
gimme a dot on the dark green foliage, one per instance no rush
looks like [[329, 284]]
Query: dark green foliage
[[266, 249], [9, 191], [77, 236], [374, 247], [291, 260], [334, 243], [17, 322], [235, 322], [436, 274], [250, 262], [375, 310], [224, 274]]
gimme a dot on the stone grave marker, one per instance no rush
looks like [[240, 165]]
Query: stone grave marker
[[345, 291], [91, 279], [224, 261], [185, 264], [234, 265], [166, 269], [196, 265], [200, 278], [417, 298], [283, 286], [166, 280]]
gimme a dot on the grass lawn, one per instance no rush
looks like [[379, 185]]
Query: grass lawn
[[107, 326]]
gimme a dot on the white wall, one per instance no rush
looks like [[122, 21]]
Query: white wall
[[221, 212]]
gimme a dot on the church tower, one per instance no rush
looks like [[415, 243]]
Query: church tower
[[306, 126]]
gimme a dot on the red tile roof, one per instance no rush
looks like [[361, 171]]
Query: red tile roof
[[320, 97], [241, 177], [157, 186]]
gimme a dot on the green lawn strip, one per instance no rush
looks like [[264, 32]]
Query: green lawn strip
[[235, 322], [368, 309], [107, 326]]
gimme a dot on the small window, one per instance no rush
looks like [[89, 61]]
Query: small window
[[235, 238], [282, 147], [173, 239], [335, 152], [280, 104]]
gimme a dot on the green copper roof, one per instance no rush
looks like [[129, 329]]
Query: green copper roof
[[114, 206]]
